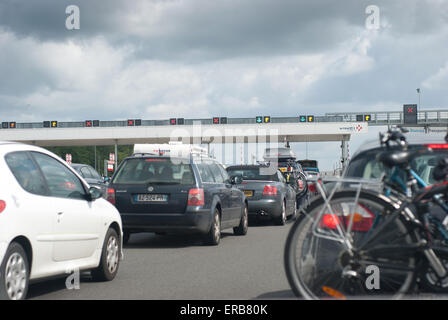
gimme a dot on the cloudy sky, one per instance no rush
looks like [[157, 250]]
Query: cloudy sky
[[177, 58]]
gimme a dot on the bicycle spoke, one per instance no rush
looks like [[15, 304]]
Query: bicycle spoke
[[377, 231]]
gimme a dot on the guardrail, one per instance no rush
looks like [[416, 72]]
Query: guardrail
[[424, 118]]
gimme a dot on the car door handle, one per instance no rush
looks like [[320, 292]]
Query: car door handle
[[60, 213]]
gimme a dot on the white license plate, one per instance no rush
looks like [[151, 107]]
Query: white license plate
[[152, 197]]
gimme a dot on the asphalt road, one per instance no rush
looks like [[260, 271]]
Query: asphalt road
[[180, 267]]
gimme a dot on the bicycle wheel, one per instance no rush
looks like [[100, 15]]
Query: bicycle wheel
[[320, 264]]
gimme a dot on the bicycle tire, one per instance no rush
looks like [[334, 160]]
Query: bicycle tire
[[290, 260]]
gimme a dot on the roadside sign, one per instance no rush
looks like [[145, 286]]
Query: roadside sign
[[112, 157], [110, 165], [68, 158]]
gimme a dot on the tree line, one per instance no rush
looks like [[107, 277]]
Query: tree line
[[86, 154]]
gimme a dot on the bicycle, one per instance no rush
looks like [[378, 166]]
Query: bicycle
[[330, 249]]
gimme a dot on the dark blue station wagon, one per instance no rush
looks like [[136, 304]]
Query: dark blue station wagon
[[165, 194]]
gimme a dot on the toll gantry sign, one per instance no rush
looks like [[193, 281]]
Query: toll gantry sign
[[410, 113]]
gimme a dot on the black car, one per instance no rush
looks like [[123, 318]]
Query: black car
[[165, 194], [364, 163], [92, 177], [267, 193]]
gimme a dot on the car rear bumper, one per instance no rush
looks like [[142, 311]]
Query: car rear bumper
[[271, 207], [195, 220]]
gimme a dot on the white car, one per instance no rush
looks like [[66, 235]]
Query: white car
[[51, 222]]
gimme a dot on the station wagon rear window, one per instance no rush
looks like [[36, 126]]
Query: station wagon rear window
[[154, 171], [366, 166], [252, 174]]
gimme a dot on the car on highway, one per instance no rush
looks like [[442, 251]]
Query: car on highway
[[90, 175], [51, 221], [285, 159], [267, 192], [177, 192], [364, 163], [309, 165], [311, 174]]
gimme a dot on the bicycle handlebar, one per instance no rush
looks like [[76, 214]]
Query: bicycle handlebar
[[394, 134]]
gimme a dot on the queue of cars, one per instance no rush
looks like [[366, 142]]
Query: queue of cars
[[55, 217]]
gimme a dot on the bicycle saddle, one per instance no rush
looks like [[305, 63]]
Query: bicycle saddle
[[396, 158]]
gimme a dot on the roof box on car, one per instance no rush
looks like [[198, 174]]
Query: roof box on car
[[279, 153], [172, 149]]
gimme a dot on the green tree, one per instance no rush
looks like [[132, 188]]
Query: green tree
[[86, 154]]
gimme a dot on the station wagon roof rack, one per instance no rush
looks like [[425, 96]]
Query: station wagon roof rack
[[171, 149]]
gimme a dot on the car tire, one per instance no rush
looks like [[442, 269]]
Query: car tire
[[110, 258], [241, 230], [281, 220], [294, 213], [14, 274], [214, 235], [126, 236]]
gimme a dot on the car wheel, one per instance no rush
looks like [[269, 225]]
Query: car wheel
[[14, 273], [126, 236], [281, 220], [294, 213], [110, 258], [214, 235], [241, 230]]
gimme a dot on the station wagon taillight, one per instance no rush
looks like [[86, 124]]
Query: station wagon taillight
[[270, 190], [196, 197], [362, 220], [437, 146], [2, 205], [111, 195]]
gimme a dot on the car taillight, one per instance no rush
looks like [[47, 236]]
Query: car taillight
[[330, 221], [362, 220], [312, 187], [196, 197], [437, 146], [300, 184], [2, 205], [111, 195], [270, 191]]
